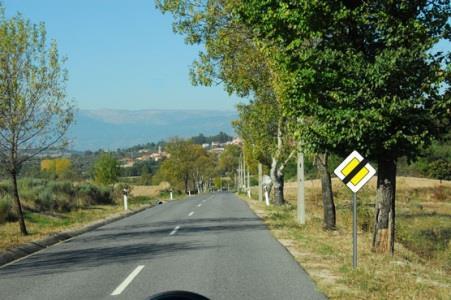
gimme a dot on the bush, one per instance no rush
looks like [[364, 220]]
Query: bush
[[53, 195], [90, 194], [45, 200], [104, 196], [56, 195], [29, 183], [6, 210], [4, 187]]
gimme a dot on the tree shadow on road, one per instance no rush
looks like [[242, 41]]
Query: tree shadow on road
[[80, 259], [131, 243]]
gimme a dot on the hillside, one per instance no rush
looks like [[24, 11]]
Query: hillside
[[112, 129]]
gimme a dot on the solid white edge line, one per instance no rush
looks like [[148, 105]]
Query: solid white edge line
[[127, 281], [191, 213], [175, 230]]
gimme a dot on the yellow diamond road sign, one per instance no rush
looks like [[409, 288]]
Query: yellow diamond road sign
[[355, 171]]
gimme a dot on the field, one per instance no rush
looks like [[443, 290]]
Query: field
[[421, 266]]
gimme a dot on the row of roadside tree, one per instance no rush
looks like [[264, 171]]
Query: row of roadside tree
[[326, 78]]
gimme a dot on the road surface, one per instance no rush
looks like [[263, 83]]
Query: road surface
[[212, 244]]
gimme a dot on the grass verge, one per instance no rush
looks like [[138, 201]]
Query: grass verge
[[41, 225], [420, 268]]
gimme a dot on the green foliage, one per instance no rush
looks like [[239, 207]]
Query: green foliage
[[440, 169], [139, 168], [228, 160], [187, 166], [106, 169], [51, 195], [233, 57], [34, 111], [361, 75]]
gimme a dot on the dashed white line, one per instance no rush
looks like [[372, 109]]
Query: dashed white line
[[191, 213], [175, 230], [199, 205], [127, 281]]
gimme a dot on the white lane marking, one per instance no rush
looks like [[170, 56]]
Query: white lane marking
[[191, 213], [127, 281], [175, 230], [199, 205]]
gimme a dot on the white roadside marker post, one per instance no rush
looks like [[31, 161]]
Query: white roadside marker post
[[355, 171], [125, 193], [267, 198], [260, 183], [248, 183], [266, 182]]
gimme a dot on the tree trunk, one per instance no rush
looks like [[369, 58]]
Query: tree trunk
[[329, 221], [277, 181], [186, 183], [384, 227], [23, 227]]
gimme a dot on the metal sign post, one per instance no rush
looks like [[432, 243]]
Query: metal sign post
[[354, 230], [355, 172]]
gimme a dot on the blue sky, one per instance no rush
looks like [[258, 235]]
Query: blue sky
[[122, 55]]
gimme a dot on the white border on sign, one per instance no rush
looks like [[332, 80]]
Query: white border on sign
[[371, 171]]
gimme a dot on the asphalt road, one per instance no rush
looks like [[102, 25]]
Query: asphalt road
[[211, 244]]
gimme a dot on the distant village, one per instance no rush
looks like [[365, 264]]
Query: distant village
[[160, 154]]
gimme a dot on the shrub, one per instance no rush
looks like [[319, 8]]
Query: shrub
[[56, 195], [4, 187], [90, 194], [6, 209], [45, 200], [105, 196], [86, 194]]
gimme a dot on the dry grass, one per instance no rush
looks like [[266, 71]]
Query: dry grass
[[147, 190], [421, 267], [41, 225]]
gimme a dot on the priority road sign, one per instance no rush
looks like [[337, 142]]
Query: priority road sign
[[355, 171]]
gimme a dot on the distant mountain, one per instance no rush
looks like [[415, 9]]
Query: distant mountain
[[112, 129]]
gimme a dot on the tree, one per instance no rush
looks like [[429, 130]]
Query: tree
[[106, 169], [440, 169], [181, 168], [228, 160], [34, 111], [57, 168], [363, 76], [266, 139], [233, 59]]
